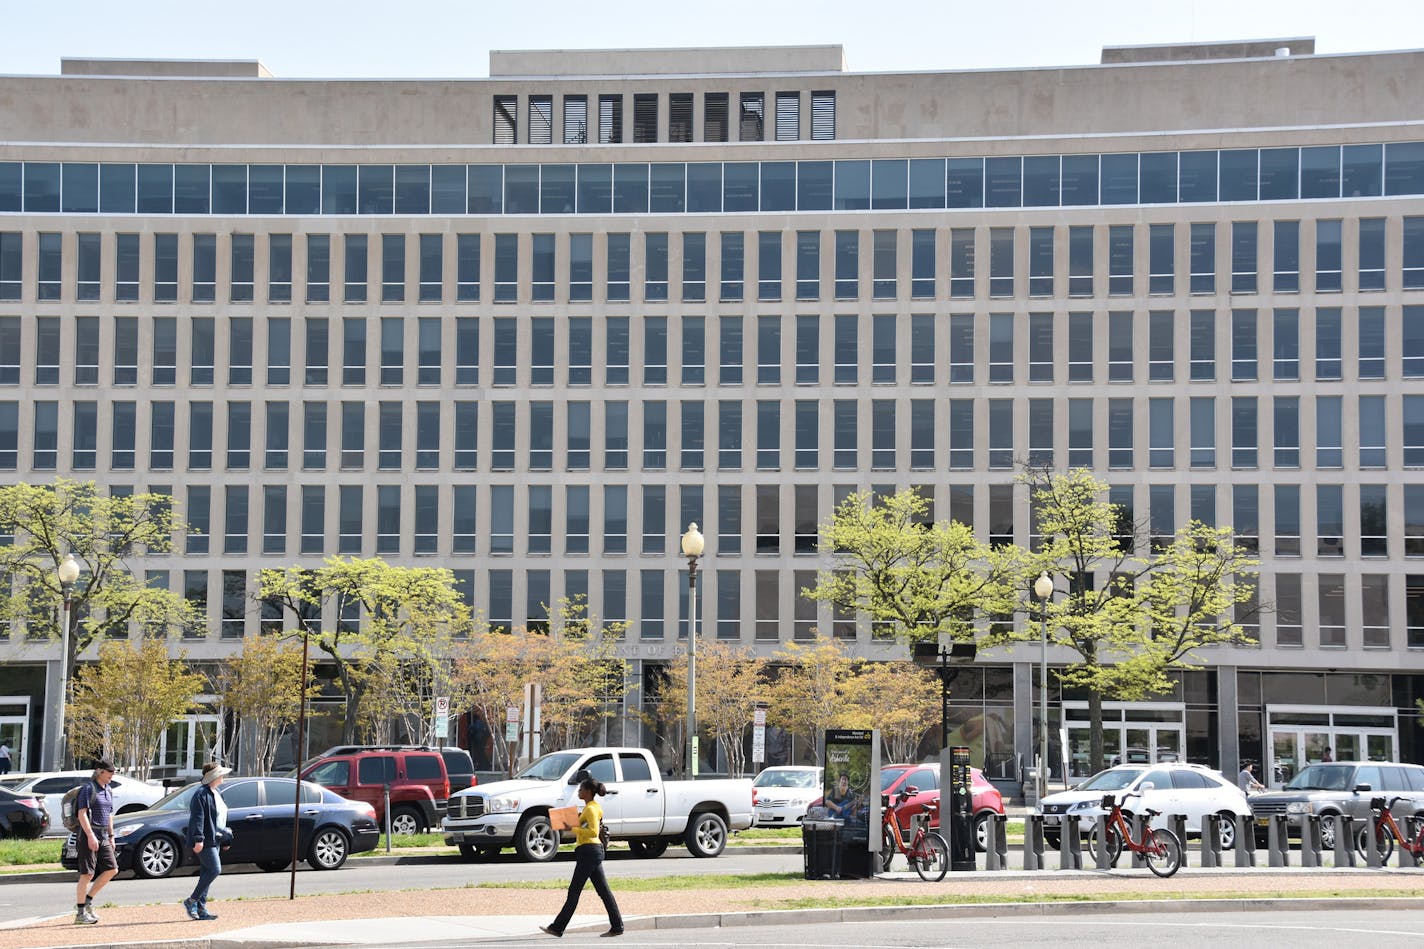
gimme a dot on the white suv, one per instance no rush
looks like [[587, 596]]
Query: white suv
[[130, 794], [1187, 789]]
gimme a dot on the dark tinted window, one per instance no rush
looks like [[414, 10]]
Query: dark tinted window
[[457, 762], [240, 795], [58, 785], [424, 768], [1189, 779], [635, 768], [377, 769], [279, 792]]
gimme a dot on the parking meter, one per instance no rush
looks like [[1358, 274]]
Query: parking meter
[[961, 811]]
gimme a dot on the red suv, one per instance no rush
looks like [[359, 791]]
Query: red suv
[[925, 779], [419, 783]]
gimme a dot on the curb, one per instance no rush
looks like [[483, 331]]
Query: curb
[[801, 917]]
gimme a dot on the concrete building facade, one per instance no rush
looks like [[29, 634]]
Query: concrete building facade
[[436, 320]]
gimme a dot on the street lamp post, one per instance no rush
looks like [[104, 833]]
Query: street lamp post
[[692, 549], [1043, 588], [68, 572]]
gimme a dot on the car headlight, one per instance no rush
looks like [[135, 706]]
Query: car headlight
[[502, 805], [124, 831], [1083, 806], [1298, 807]]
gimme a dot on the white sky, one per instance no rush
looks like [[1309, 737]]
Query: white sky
[[452, 38]]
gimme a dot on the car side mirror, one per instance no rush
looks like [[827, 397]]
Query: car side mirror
[[579, 776], [1147, 786], [910, 791], [1363, 788]]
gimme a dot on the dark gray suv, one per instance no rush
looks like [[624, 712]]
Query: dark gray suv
[[1341, 787]]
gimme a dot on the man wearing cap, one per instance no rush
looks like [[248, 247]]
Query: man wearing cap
[[207, 834], [94, 840]]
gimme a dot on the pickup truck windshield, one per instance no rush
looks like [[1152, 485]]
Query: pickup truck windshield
[[549, 768]]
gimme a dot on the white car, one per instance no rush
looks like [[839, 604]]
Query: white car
[[130, 794], [1187, 789], [781, 795]]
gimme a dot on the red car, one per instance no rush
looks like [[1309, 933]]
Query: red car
[[925, 779]]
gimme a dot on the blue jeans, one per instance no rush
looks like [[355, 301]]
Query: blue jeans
[[209, 868], [588, 865]]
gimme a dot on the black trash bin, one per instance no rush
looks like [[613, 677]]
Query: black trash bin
[[821, 848], [856, 860]]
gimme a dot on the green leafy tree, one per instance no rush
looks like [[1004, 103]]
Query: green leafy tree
[[897, 697], [397, 641], [262, 685], [123, 703], [917, 580], [103, 532], [807, 689], [1130, 620]]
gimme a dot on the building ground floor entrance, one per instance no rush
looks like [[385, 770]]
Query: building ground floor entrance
[[1133, 733], [1303, 735]]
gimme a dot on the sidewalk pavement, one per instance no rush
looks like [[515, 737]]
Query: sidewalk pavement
[[468, 914]]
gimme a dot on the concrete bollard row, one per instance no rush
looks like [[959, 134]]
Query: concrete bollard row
[[1310, 840], [1278, 841], [996, 847], [1344, 840], [1211, 841], [1070, 844]]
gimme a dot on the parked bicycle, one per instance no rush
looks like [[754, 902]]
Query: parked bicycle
[[1388, 831], [925, 850], [1160, 849]]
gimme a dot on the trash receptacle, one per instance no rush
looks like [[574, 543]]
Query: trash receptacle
[[856, 860], [821, 848]]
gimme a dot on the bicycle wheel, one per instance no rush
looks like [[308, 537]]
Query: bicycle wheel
[[1164, 853], [1114, 844], [1384, 842], [931, 858], [887, 849]]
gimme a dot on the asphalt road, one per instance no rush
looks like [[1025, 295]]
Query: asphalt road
[[21, 900]]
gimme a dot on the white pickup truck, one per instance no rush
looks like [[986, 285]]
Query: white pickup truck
[[641, 808]]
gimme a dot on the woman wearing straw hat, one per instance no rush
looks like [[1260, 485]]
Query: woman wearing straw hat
[[207, 834]]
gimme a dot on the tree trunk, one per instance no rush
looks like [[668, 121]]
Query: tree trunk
[[1095, 731]]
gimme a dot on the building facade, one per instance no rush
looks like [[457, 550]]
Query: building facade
[[530, 326]]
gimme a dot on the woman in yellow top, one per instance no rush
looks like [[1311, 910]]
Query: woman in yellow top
[[588, 864]]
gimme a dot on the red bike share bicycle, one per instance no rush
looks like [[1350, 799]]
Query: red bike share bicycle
[[1160, 849]]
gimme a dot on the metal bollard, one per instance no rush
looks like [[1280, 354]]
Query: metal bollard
[[1211, 841], [997, 846], [1412, 827], [1245, 840], [1177, 824], [1138, 860], [1033, 842], [1070, 845], [1102, 853], [1310, 840], [1372, 854], [1278, 840], [1344, 840]]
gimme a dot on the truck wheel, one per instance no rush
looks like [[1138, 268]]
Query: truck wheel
[[536, 839], [648, 849], [706, 834], [407, 820]]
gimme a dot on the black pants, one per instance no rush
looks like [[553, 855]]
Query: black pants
[[588, 865]]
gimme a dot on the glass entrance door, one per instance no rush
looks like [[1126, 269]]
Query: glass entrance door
[[15, 730], [1133, 733], [1301, 736]]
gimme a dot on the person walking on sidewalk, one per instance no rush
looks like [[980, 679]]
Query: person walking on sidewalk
[[588, 863], [94, 840], [207, 834]]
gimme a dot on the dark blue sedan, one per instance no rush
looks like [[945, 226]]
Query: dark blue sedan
[[150, 843]]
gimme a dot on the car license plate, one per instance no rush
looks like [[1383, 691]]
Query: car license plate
[[70, 850], [1263, 822], [1049, 820]]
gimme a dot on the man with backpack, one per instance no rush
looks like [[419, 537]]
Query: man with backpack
[[94, 840]]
